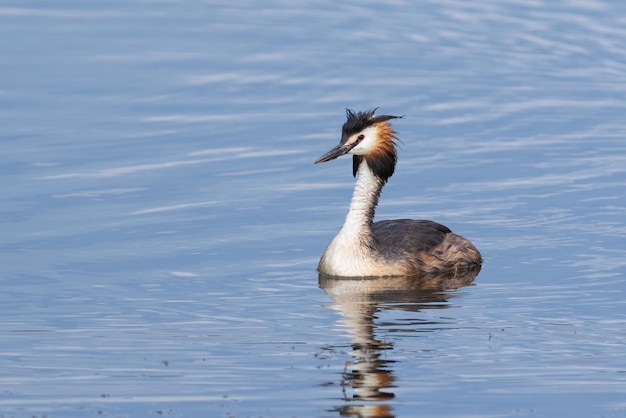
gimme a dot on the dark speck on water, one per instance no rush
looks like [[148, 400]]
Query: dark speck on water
[[159, 202]]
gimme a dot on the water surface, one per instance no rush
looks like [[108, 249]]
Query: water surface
[[161, 218]]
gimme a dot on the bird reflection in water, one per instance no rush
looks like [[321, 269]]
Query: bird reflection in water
[[370, 372]]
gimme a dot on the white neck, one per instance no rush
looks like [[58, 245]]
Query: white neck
[[347, 254], [360, 216]]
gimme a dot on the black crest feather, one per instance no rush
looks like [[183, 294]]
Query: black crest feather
[[357, 121]]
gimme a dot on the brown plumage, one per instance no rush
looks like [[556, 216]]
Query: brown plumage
[[382, 158], [401, 247]]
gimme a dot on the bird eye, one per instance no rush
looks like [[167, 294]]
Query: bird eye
[[360, 137]]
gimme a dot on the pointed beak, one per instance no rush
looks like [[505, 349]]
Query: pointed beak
[[338, 151]]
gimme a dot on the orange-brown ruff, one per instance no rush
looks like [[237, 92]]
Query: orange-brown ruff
[[399, 247]]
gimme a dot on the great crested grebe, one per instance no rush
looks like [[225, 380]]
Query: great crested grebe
[[399, 247]]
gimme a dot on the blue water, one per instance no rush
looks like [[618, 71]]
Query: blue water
[[161, 218]]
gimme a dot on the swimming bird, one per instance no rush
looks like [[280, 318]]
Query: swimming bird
[[399, 247]]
